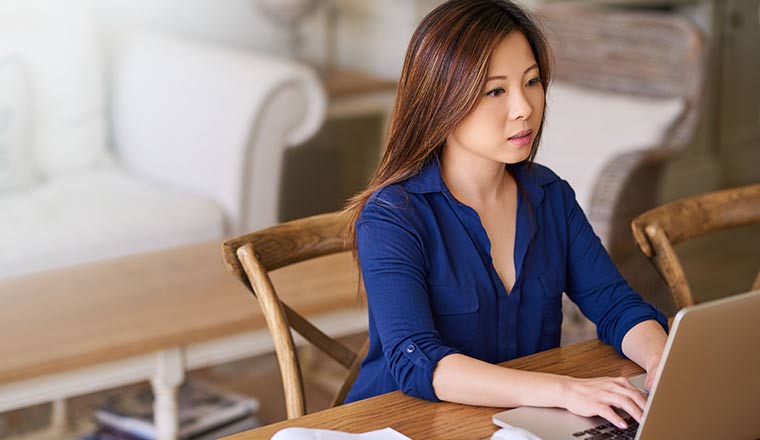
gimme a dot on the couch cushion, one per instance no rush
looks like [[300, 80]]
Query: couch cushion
[[57, 42], [16, 162], [99, 214], [585, 129]]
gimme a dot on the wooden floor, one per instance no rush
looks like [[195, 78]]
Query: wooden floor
[[718, 265]]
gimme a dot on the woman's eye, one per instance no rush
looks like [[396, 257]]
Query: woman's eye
[[495, 92], [534, 81]]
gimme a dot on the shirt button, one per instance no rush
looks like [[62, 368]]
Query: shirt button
[[410, 348]]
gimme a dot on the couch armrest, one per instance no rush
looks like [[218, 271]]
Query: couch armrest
[[212, 120]]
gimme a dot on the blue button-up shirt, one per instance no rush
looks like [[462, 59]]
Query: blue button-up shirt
[[432, 289]]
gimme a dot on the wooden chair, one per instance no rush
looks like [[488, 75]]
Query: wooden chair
[[657, 230], [250, 258]]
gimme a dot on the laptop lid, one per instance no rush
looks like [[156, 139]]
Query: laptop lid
[[709, 380]]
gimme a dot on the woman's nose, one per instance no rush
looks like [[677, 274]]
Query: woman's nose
[[519, 106]]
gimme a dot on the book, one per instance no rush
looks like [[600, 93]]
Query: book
[[241, 425], [250, 422], [201, 408]]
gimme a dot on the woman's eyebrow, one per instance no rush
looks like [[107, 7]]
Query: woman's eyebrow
[[534, 66]]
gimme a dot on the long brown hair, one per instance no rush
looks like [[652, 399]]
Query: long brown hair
[[443, 76]]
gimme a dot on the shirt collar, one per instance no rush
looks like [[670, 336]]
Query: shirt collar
[[428, 179], [532, 179]]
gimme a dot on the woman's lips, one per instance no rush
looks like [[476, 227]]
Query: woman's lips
[[522, 140]]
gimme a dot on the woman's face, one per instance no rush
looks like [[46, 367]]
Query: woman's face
[[511, 104]]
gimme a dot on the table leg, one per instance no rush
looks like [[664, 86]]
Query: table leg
[[59, 419], [169, 375]]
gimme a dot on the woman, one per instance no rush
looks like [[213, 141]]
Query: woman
[[466, 245]]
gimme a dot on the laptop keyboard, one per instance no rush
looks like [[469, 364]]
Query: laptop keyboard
[[609, 431]]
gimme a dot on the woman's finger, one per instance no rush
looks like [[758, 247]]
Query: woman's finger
[[634, 394], [627, 405], [611, 416]]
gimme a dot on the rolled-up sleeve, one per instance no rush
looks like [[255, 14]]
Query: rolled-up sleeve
[[595, 284], [393, 269]]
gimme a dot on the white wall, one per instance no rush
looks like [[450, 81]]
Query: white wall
[[235, 22], [371, 35]]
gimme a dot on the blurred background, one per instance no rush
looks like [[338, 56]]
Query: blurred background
[[129, 127]]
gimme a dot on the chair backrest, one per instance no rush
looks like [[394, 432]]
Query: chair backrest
[[657, 230], [251, 257]]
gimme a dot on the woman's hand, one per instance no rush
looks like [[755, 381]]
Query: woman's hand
[[644, 344], [596, 397], [651, 366]]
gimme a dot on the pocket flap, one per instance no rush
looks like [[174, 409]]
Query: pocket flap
[[552, 283], [452, 300]]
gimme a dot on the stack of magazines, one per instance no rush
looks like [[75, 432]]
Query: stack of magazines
[[205, 412]]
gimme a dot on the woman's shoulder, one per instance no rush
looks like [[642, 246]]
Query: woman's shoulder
[[394, 203], [389, 195]]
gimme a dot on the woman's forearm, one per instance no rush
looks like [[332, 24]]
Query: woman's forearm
[[462, 379], [644, 344]]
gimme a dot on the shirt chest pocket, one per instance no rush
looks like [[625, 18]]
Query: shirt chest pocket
[[456, 314], [553, 284]]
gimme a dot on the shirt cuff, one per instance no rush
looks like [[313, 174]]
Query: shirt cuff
[[418, 360], [630, 320]]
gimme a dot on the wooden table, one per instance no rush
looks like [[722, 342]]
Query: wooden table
[[352, 93], [73, 331], [422, 420]]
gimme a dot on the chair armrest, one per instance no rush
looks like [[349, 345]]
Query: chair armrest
[[212, 120], [627, 186]]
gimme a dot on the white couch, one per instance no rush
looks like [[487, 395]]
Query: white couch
[[173, 141]]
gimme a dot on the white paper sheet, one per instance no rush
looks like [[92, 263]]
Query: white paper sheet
[[324, 434]]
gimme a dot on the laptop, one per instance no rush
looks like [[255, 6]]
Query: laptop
[[708, 384]]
